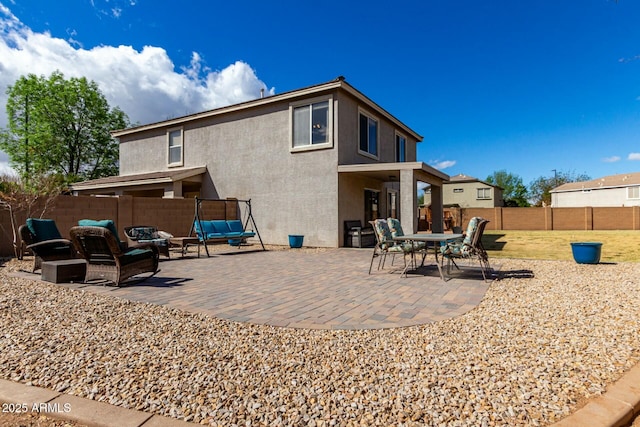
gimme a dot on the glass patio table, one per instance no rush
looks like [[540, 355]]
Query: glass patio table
[[432, 240]]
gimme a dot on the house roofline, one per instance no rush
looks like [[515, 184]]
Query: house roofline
[[338, 83]]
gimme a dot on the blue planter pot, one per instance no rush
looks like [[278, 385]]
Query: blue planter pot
[[295, 240], [586, 252]]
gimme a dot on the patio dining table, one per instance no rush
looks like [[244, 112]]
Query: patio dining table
[[432, 240]]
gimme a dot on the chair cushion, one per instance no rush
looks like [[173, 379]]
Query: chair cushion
[[43, 229], [104, 223], [384, 233], [143, 233], [395, 227], [134, 255]]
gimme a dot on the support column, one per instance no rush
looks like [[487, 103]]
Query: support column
[[437, 211], [173, 191], [408, 201]]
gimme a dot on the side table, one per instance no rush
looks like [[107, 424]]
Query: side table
[[184, 243], [64, 271]]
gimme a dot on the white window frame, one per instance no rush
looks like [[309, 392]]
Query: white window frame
[[400, 138], [483, 193], [310, 102], [633, 192], [169, 132], [362, 112]]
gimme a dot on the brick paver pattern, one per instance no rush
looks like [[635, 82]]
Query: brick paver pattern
[[304, 289]]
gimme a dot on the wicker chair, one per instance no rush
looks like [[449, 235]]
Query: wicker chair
[[42, 237], [106, 260], [143, 235]]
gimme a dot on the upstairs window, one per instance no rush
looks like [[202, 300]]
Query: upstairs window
[[633, 192], [311, 124], [484, 193], [175, 144], [368, 135], [401, 148]]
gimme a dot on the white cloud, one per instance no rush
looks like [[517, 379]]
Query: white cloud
[[442, 164], [611, 159], [144, 84], [634, 156]]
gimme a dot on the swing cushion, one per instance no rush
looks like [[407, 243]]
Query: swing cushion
[[216, 229], [235, 225]]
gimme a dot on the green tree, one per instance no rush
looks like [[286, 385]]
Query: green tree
[[514, 191], [61, 127], [540, 188]]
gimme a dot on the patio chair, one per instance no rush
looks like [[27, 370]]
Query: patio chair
[[106, 260], [43, 238], [385, 245], [144, 235], [469, 248]]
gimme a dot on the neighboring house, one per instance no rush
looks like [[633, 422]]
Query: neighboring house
[[468, 192], [308, 159], [613, 190]]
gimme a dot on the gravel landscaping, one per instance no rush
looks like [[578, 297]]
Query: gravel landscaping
[[530, 354]]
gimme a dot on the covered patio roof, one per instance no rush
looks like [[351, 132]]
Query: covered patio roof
[[391, 171], [120, 182], [408, 174]]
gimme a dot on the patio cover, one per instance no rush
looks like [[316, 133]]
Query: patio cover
[[409, 173], [171, 180]]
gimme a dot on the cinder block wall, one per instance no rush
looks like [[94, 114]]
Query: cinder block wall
[[174, 216]]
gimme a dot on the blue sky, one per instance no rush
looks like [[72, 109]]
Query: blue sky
[[525, 86]]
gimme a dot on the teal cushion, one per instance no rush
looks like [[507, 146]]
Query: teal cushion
[[43, 229], [105, 223]]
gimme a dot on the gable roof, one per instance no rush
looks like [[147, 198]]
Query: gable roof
[[610, 181], [338, 83]]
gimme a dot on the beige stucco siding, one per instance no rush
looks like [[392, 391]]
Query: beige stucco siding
[[247, 156], [349, 135]]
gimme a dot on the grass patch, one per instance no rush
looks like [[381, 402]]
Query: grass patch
[[617, 245]]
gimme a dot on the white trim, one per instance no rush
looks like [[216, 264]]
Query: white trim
[[330, 126], [395, 146], [169, 132], [366, 113]]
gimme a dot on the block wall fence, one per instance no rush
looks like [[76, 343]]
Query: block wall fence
[[176, 215]]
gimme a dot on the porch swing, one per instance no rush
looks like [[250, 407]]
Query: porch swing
[[230, 228]]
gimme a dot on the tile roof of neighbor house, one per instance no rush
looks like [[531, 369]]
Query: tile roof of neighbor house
[[611, 181], [140, 178], [333, 84]]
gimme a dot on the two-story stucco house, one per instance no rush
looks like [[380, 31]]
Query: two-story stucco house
[[468, 192], [612, 190], [308, 159]]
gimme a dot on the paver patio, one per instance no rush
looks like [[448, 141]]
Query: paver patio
[[327, 289]]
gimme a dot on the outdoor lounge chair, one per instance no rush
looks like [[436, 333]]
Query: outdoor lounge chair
[[469, 248], [43, 238], [385, 245], [144, 235], [356, 236], [107, 260]]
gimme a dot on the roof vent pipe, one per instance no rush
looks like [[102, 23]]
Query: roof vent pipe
[[261, 92]]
